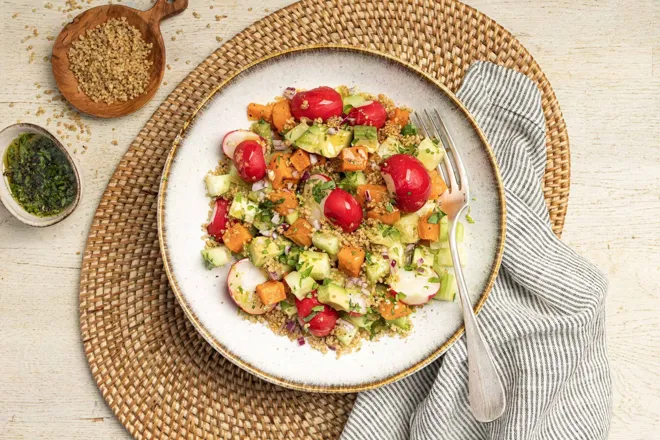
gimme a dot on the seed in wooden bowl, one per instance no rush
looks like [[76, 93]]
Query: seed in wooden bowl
[[110, 62]]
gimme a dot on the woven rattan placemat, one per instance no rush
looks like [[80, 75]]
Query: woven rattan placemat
[[159, 376]]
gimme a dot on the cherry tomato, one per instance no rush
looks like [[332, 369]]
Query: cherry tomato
[[321, 102], [370, 114], [322, 322], [343, 210], [407, 181], [249, 161], [218, 224]]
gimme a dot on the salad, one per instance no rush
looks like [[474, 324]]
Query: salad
[[329, 204]]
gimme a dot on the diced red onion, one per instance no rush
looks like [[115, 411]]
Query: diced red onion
[[275, 235], [305, 176], [258, 185], [332, 347], [385, 256], [290, 326], [420, 261], [301, 341], [367, 196], [420, 270], [287, 249], [393, 263], [313, 159], [285, 226], [273, 275], [289, 92]]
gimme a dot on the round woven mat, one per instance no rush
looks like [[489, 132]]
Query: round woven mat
[[159, 376]]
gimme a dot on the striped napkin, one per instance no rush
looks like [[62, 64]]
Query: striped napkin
[[544, 320]]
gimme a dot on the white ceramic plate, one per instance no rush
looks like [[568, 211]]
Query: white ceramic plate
[[183, 207]]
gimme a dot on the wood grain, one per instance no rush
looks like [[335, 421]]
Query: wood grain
[[147, 22], [603, 60]]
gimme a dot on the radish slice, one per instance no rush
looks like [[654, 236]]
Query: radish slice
[[417, 286], [316, 209], [242, 282], [233, 138]]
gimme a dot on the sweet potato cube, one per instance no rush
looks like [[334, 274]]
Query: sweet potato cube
[[271, 292], [281, 114], [400, 117], [300, 160], [350, 260], [280, 171], [236, 237], [373, 193], [354, 158], [388, 218], [393, 310], [300, 232], [285, 201], [428, 231], [258, 111], [438, 185]]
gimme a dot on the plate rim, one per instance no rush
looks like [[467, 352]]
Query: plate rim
[[235, 359]]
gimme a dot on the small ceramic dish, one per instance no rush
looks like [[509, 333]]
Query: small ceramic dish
[[7, 136]]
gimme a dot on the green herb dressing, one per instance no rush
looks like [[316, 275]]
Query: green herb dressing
[[40, 177]]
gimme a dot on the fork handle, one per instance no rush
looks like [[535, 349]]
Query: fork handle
[[486, 393]]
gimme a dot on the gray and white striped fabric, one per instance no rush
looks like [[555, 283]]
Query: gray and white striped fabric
[[544, 320]]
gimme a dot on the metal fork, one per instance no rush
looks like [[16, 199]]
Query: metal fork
[[486, 393]]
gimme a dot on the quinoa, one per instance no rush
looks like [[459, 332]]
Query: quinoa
[[111, 62]]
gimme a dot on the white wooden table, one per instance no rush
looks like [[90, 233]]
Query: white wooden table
[[603, 60]]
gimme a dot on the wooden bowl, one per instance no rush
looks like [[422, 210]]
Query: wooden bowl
[[148, 23]]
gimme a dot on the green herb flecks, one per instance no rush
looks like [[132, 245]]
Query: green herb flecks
[[320, 190], [435, 217], [40, 177], [315, 311]]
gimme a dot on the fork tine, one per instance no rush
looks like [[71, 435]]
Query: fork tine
[[462, 175], [448, 168], [419, 121]]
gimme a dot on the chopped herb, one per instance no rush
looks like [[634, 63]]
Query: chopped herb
[[389, 207], [388, 230], [435, 217], [434, 280], [409, 193], [320, 190], [409, 130], [468, 217], [307, 272], [315, 311], [367, 257], [399, 296]]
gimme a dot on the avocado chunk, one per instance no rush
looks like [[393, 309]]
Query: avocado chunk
[[397, 252], [352, 180], [288, 308], [352, 101], [408, 226], [383, 234], [292, 217], [262, 128], [336, 142], [216, 256], [313, 139], [261, 249], [299, 286], [444, 230], [326, 242], [430, 154], [423, 256], [403, 323], [243, 208], [377, 268], [317, 263], [333, 295], [390, 147], [366, 136], [345, 331], [295, 133]]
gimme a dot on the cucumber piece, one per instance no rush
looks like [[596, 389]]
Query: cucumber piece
[[333, 295], [233, 174], [243, 208], [335, 143], [352, 179], [345, 331], [299, 286], [277, 270], [448, 287], [444, 230], [351, 101], [313, 139], [408, 226], [443, 258], [288, 309], [319, 262], [326, 242], [366, 136], [430, 154], [217, 185], [261, 249], [295, 133], [292, 217], [377, 268], [390, 147], [262, 128], [361, 321], [216, 256], [423, 257], [403, 323]]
